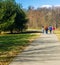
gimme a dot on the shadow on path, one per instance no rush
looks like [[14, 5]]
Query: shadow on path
[[38, 52]]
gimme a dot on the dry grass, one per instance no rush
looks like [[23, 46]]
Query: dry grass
[[57, 32]]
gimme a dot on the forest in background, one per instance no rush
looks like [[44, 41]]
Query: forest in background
[[43, 17], [14, 18]]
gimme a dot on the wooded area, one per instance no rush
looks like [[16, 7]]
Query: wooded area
[[43, 17], [14, 18]]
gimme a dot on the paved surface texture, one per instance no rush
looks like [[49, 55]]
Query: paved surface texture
[[43, 51]]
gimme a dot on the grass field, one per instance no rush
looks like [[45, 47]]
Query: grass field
[[12, 44], [57, 32]]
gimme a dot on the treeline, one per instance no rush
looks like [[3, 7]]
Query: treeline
[[14, 19], [43, 17], [12, 16]]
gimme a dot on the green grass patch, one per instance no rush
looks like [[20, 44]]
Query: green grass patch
[[11, 45]]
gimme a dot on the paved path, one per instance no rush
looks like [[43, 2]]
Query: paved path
[[43, 51]]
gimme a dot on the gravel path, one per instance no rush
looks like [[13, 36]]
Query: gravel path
[[43, 51]]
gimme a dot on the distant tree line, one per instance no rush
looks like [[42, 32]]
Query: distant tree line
[[12, 16], [43, 17]]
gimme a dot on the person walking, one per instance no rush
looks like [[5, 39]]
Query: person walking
[[53, 29], [50, 29], [46, 29], [42, 29]]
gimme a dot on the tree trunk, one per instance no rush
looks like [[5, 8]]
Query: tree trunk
[[11, 31]]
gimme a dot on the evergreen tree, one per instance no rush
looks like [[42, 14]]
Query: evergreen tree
[[12, 17]]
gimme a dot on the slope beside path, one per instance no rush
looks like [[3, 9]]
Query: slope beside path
[[45, 50]]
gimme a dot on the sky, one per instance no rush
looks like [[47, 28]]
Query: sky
[[38, 3]]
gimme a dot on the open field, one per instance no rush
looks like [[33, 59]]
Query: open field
[[57, 32], [12, 44]]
